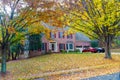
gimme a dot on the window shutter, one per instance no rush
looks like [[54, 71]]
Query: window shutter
[[64, 46], [54, 35]]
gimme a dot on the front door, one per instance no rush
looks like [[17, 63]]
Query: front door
[[53, 46]]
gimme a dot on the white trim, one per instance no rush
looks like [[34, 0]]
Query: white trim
[[50, 46]]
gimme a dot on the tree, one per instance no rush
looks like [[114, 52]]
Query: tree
[[99, 19], [94, 43], [18, 17], [35, 42]]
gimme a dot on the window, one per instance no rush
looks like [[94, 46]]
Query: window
[[71, 46], [52, 35], [44, 46], [61, 35], [69, 36], [61, 46]]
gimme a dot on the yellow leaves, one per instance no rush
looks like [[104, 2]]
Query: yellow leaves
[[47, 33], [11, 30], [22, 41]]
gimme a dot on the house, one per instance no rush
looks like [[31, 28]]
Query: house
[[58, 41]]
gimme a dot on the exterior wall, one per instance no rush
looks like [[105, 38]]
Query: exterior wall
[[58, 40], [64, 40], [82, 43], [34, 53], [44, 40]]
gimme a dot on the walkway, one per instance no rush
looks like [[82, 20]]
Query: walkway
[[114, 76]]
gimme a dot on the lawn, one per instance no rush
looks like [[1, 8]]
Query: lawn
[[34, 67]]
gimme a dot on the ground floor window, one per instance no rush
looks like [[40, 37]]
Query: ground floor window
[[69, 46], [44, 46], [62, 46]]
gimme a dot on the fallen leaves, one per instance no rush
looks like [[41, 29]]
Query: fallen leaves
[[35, 67]]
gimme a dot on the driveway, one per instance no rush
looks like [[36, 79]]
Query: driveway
[[114, 76]]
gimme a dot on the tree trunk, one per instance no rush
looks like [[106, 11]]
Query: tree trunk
[[4, 57], [107, 49], [13, 56]]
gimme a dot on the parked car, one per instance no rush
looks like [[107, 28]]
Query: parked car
[[100, 50], [90, 49]]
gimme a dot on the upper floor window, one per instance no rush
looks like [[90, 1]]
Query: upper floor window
[[61, 34], [70, 36], [52, 35]]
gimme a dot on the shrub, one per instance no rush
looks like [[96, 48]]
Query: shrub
[[49, 52], [70, 51], [77, 50], [63, 51]]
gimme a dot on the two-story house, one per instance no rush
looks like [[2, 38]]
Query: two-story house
[[58, 41]]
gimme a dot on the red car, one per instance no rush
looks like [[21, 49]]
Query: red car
[[90, 49]]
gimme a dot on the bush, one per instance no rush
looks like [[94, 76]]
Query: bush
[[63, 51], [49, 52], [70, 51], [77, 50]]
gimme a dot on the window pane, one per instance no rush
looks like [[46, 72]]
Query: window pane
[[43, 47], [61, 46], [52, 35], [71, 46], [61, 35]]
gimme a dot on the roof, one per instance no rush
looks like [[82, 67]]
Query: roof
[[54, 27], [81, 37]]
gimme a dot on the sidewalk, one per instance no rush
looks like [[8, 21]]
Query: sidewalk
[[114, 76]]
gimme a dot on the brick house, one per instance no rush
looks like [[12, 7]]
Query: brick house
[[58, 41]]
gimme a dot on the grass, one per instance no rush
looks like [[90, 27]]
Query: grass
[[33, 67]]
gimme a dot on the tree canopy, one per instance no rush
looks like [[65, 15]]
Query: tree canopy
[[99, 19], [19, 18]]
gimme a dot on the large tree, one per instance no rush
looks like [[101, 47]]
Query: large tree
[[99, 19], [19, 18]]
